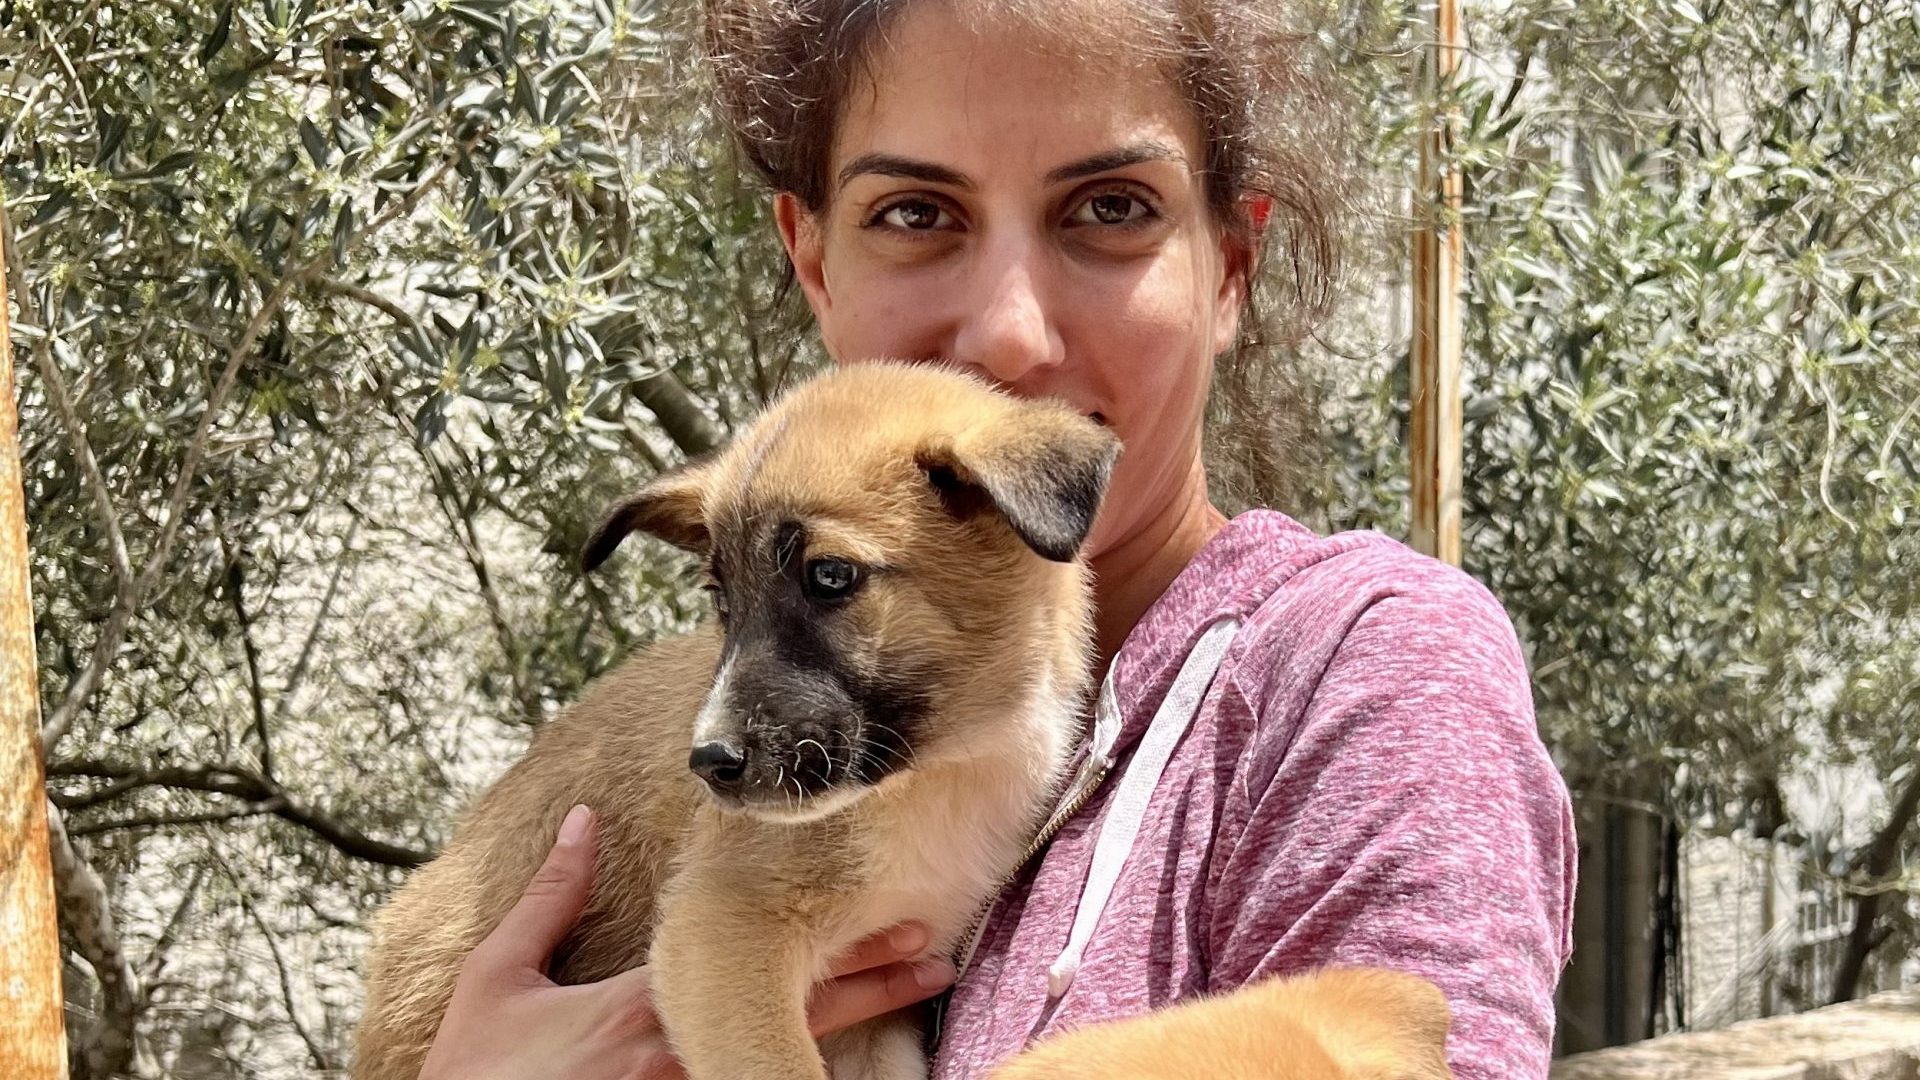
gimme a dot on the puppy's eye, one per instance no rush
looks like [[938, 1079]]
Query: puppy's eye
[[831, 579]]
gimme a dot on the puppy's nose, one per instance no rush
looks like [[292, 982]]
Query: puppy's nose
[[721, 765]]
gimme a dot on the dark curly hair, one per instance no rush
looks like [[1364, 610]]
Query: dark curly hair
[[1273, 113]]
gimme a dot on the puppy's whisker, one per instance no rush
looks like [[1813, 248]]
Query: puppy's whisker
[[903, 752], [783, 777], [851, 768], [826, 775]]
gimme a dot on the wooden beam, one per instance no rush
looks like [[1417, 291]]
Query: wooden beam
[[1438, 274], [32, 1041]]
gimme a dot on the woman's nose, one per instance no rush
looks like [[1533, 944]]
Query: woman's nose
[[1004, 329]]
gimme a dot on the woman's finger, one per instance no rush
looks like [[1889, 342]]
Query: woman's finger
[[902, 942], [552, 903], [864, 995], [872, 982]]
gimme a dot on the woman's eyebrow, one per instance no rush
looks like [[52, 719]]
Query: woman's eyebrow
[[907, 168], [1117, 158], [904, 167]]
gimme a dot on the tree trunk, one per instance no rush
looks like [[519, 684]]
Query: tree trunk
[[1877, 863]]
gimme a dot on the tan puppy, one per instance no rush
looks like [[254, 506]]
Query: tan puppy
[[870, 735], [1338, 1024]]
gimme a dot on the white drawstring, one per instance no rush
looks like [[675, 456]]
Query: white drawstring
[[1129, 806]]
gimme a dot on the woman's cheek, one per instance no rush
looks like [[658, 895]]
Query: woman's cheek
[[871, 321], [1152, 323]]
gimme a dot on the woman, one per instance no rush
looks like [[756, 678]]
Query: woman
[[1071, 199]]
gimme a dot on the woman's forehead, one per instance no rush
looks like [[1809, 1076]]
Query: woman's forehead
[[944, 90]]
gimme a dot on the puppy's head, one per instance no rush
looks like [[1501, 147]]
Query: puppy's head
[[891, 550]]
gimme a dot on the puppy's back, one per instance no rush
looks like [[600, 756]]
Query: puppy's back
[[622, 749]]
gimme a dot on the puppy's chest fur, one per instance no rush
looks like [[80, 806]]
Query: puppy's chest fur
[[945, 852]]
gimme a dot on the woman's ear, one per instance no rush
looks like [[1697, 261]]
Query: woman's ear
[[801, 235], [1237, 246], [1236, 259]]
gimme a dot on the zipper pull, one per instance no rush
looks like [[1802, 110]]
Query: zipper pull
[[1100, 742]]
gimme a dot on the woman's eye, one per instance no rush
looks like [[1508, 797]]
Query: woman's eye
[[719, 598], [831, 579], [916, 215], [1111, 208]]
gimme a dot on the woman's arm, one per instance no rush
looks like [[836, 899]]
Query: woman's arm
[[1412, 820]]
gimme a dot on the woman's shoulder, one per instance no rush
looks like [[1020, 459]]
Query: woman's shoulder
[[1353, 622], [1357, 624], [1388, 795], [1285, 580]]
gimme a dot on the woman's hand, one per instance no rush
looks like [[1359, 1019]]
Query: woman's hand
[[508, 1021]]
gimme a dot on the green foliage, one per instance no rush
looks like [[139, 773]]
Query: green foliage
[[1693, 321]]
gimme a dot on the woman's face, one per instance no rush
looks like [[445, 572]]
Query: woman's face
[[1038, 221]]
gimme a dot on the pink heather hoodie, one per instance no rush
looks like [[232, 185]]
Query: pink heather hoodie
[[1363, 784]]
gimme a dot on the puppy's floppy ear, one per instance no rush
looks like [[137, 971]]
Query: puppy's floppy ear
[[1042, 466], [669, 507]]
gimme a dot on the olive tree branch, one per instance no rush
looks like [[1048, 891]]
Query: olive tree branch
[[241, 783]]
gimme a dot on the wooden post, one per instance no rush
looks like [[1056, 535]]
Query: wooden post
[[32, 1042], [1438, 272]]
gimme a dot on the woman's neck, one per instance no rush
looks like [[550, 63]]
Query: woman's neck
[[1132, 574]]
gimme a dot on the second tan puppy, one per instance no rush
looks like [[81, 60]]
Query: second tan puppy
[[871, 734], [1335, 1024]]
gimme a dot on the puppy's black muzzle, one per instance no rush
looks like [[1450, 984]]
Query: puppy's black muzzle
[[797, 725]]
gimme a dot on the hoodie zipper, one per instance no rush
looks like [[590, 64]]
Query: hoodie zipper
[[1086, 782], [1103, 735], [1060, 817], [1111, 845], [1092, 771]]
